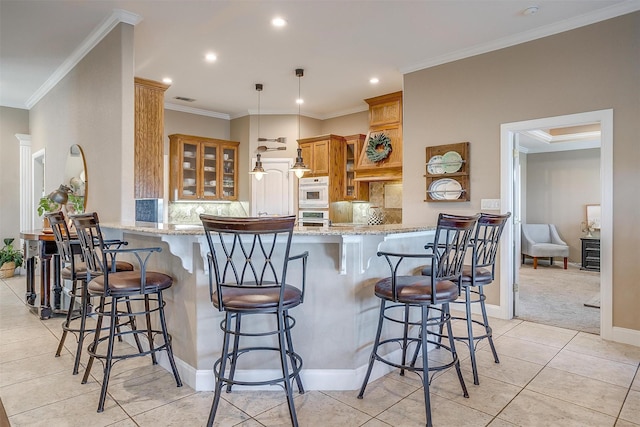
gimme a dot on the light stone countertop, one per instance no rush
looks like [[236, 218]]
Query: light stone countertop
[[334, 230]]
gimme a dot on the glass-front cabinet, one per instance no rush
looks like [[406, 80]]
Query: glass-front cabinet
[[202, 168], [354, 190]]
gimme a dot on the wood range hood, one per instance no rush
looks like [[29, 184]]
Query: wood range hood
[[385, 116]]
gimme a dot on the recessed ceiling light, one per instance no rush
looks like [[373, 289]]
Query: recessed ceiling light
[[374, 80], [167, 80], [531, 10], [278, 22], [299, 101], [210, 57]]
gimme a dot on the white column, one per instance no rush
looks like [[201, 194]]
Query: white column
[[26, 187]]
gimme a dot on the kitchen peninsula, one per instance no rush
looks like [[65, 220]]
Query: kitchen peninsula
[[335, 325]]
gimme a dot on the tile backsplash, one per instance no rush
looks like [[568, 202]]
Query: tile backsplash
[[387, 197], [189, 213]]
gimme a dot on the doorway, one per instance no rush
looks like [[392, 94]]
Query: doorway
[[510, 199]]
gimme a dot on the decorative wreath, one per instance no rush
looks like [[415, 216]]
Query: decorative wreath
[[382, 141]]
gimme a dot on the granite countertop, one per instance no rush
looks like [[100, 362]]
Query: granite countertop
[[333, 230]]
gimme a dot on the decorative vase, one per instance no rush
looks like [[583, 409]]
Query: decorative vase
[[7, 269], [376, 216]]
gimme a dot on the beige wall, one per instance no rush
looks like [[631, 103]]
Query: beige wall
[[85, 109], [347, 125], [12, 121], [591, 68], [559, 185]]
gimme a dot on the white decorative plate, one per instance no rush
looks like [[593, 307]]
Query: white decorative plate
[[187, 192], [451, 161], [434, 166], [445, 189]]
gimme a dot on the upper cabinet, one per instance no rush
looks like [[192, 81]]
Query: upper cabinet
[[325, 156], [202, 168], [381, 156], [315, 152], [149, 139], [354, 190]]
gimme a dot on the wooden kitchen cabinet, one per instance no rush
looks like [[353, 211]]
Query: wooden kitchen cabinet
[[325, 156], [447, 173], [315, 153], [354, 190], [202, 168]]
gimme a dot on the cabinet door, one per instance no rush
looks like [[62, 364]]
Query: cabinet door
[[209, 171], [189, 178], [229, 175], [320, 158], [307, 156]]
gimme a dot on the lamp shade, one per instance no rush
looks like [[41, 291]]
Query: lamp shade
[[61, 195]]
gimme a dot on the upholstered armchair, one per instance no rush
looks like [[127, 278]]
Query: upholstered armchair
[[543, 241]]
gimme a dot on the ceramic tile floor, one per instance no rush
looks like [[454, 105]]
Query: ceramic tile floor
[[547, 376]]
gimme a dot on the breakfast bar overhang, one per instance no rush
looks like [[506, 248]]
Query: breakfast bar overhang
[[335, 326]]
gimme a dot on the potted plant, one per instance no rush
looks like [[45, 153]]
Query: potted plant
[[47, 205], [10, 259]]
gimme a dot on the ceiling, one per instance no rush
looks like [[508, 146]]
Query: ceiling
[[339, 44]]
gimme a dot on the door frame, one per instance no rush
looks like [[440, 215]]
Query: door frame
[[508, 256]]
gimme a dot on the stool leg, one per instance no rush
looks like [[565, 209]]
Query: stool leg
[[404, 338], [221, 369], [294, 363], [167, 340], [132, 323], [471, 343], [445, 308], [109, 360], [67, 322], [234, 355], [425, 364], [84, 312], [149, 331], [282, 326], [488, 329], [374, 351], [96, 336]]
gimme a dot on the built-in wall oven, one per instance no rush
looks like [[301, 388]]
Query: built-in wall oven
[[313, 193], [311, 218]]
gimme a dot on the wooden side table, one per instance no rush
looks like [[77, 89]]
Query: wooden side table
[[590, 253], [38, 243]]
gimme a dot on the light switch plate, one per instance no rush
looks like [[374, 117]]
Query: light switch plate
[[490, 204]]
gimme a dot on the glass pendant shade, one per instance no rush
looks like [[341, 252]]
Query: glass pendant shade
[[299, 168], [258, 171]]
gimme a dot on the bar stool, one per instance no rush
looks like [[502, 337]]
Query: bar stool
[[400, 293], [75, 270], [248, 262], [123, 286], [481, 272]]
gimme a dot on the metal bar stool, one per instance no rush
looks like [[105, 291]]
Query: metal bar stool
[[481, 272], [75, 270], [400, 293], [113, 287], [248, 262]]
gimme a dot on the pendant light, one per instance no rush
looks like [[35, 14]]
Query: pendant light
[[299, 168], [258, 170]]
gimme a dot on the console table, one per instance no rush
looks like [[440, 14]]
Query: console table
[[38, 243], [590, 253]]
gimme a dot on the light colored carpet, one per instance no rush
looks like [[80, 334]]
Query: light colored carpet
[[565, 298]]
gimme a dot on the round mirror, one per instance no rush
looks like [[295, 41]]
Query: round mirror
[[75, 177]]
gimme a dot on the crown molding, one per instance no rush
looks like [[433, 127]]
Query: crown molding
[[198, 111], [568, 24], [117, 16]]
